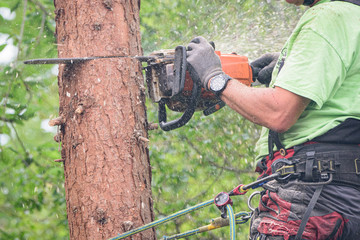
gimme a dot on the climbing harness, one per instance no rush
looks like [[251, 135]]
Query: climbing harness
[[316, 164]]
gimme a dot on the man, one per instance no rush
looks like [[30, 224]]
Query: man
[[311, 119]]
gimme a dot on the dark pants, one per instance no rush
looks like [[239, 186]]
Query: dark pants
[[336, 214]]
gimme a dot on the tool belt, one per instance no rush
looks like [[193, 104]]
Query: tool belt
[[333, 156], [318, 164], [321, 163]]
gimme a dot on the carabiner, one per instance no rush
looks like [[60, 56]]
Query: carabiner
[[250, 198]]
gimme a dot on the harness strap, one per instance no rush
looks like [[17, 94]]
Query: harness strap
[[309, 165], [308, 211], [319, 162], [274, 139]]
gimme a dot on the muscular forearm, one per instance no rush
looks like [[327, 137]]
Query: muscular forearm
[[274, 108]]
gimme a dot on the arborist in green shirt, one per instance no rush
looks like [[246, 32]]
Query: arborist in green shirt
[[310, 115]]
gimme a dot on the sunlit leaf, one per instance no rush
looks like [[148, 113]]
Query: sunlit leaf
[[2, 47]]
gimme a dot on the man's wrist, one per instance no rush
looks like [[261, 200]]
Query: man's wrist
[[218, 83]]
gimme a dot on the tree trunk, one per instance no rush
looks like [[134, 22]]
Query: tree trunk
[[104, 125]]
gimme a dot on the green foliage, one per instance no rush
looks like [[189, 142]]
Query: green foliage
[[190, 165], [248, 27], [32, 202]]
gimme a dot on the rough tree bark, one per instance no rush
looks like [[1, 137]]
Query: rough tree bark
[[103, 117]]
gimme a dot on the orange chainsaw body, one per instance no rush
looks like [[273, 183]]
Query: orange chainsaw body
[[236, 66]]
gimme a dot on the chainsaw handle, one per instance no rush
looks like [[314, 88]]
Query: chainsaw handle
[[195, 94]]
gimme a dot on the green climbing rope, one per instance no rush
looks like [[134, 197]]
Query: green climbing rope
[[214, 224], [164, 220]]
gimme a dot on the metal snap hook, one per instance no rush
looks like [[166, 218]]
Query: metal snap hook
[[250, 198]]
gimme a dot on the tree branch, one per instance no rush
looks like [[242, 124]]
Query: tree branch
[[226, 162], [21, 35], [4, 119], [41, 6]]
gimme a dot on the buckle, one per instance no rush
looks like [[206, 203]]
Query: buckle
[[286, 169], [326, 166], [282, 165], [357, 166], [282, 152]]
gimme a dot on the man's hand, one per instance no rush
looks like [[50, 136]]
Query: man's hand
[[203, 59], [264, 66]]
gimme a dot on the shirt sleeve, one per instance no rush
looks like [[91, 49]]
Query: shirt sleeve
[[312, 69]]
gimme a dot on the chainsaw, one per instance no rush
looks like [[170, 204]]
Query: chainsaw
[[171, 82]]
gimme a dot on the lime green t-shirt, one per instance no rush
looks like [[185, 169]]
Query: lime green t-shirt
[[320, 61]]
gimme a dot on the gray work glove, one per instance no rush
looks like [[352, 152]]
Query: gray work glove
[[264, 66], [203, 59]]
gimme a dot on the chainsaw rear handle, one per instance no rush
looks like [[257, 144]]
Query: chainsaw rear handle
[[181, 67]]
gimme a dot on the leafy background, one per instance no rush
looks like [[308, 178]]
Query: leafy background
[[190, 165]]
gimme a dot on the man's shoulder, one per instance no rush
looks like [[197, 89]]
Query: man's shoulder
[[324, 13], [330, 12]]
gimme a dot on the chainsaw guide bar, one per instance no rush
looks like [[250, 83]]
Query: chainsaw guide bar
[[81, 59]]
